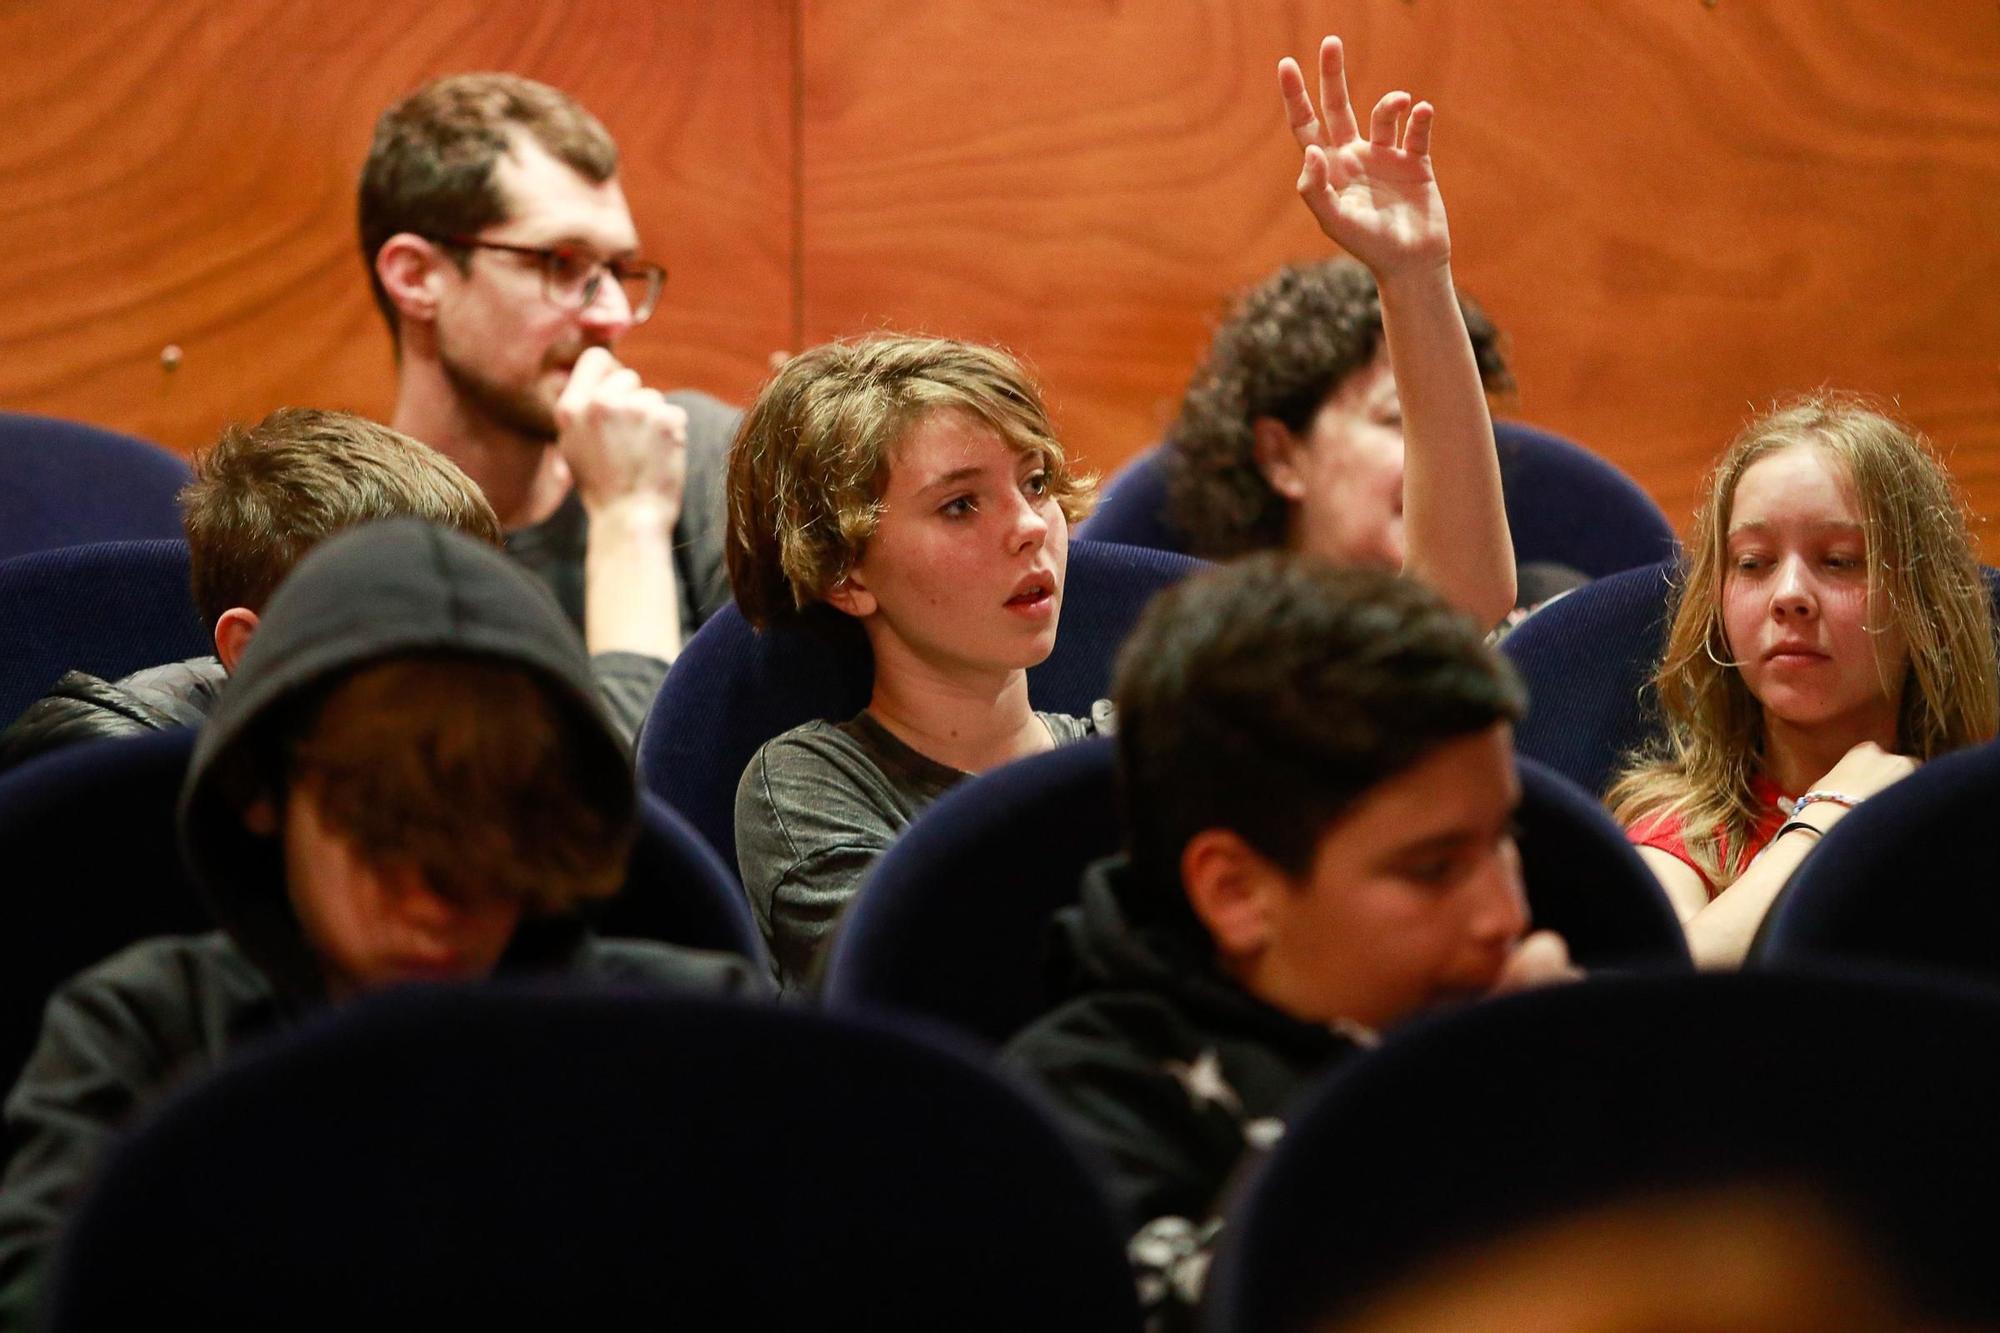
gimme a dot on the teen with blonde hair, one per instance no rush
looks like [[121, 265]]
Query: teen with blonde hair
[[916, 486], [1832, 632]]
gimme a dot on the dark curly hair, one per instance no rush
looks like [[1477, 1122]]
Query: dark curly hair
[[1289, 343]]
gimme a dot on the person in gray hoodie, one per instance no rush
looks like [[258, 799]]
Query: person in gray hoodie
[[409, 777]]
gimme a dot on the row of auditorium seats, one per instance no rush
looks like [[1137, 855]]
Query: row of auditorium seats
[[1584, 658], [862, 1172], [992, 861], [1548, 1093]]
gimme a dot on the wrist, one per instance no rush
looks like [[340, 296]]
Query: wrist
[[1415, 280], [1821, 795], [636, 515]]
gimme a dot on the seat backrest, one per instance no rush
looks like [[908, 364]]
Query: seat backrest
[[733, 688], [1133, 507], [954, 921], [678, 890], [486, 1158], [1586, 882], [1587, 660], [1569, 506], [93, 864], [1565, 506], [109, 609], [63, 483], [1905, 879], [1878, 1094]]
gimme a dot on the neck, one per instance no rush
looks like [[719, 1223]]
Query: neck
[[1796, 757], [521, 476], [970, 721]]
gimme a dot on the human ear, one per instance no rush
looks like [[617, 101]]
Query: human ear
[[1230, 886], [851, 595], [1278, 455], [233, 629], [411, 270]]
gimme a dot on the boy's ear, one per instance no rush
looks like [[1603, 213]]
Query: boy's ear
[[1231, 885], [851, 595], [1279, 453], [233, 629]]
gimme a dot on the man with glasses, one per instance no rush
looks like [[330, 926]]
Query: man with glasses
[[506, 262]]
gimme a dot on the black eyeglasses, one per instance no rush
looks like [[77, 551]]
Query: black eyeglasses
[[572, 277]]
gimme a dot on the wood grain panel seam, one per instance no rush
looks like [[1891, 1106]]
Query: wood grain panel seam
[[798, 164]]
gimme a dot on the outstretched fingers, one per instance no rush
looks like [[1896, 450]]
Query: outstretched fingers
[[1417, 136], [1333, 99], [1385, 125], [1299, 111]]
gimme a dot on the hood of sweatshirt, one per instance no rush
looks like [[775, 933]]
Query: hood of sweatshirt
[[389, 589]]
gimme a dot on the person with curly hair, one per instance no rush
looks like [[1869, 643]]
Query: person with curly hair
[[1341, 411]]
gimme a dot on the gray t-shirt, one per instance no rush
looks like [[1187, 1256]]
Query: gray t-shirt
[[815, 808]]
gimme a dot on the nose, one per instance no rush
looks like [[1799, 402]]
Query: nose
[[1501, 913], [608, 312], [1792, 594], [1030, 528]]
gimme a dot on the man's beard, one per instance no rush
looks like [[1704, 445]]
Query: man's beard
[[520, 410]]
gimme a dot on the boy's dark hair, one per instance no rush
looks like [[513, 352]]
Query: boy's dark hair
[[430, 167], [1288, 344], [266, 494], [411, 769], [1268, 696]]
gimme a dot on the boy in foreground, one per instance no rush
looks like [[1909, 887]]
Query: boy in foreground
[[1317, 770], [408, 778]]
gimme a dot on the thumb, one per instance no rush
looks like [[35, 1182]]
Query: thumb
[[1539, 959]]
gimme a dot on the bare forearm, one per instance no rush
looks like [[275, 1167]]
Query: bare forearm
[[631, 599], [1719, 935], [1454, 520]]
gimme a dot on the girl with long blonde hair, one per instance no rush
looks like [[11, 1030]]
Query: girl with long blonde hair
[[1832, 632]]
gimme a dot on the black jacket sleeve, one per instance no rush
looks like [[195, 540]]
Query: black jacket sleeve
[[79, 707]]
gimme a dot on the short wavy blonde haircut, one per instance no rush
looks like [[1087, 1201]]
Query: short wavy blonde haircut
[[809, 467], [1923, 577]]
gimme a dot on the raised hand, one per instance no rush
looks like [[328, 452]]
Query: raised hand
[[619, 439], [1375, 197]]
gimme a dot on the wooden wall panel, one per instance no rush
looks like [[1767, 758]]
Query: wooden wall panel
[[1675, 209], [184, 173]]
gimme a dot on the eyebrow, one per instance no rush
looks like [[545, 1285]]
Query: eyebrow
[[585, 245], [951, 478], [1817, 525]]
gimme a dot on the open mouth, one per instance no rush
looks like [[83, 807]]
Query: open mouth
[[1033, 594]]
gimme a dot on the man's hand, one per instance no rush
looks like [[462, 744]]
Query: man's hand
[[1375, 197], [619, 439], [626, 450]]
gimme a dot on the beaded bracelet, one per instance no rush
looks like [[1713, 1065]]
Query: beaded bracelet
[[1839, 798]]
